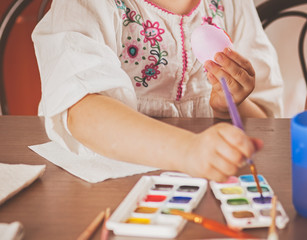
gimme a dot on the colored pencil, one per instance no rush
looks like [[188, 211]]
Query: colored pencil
[[88, 232], [236, 120], [104, 230]]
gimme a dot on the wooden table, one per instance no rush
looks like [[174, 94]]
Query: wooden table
[[60, 205]]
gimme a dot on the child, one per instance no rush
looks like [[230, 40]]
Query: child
[[106, 64]]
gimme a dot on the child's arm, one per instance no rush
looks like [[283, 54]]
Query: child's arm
[[112, 129], [240, 77]]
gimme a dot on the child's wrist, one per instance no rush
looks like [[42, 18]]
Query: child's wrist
[[221, 115], [182, 158], [188, 154]]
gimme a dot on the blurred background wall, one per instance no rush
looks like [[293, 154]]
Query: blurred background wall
[[284, 34]]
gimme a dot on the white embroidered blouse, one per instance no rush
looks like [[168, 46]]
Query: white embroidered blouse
[[139, 53]]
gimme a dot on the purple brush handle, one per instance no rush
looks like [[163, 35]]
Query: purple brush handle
[[234, 114]]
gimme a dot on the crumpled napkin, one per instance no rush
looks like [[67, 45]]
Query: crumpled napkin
[[15, 177], [11, 231], [93, 168]]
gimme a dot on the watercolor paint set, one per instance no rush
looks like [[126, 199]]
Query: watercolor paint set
[[145, 210], [242, 205]]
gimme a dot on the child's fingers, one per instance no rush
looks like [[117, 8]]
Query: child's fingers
[[226, 149], [218, 72], [234, 69], [231, 158], [237, 139], [258, 143], [216, 175], [213, 80], [225, 166], [240, 60]]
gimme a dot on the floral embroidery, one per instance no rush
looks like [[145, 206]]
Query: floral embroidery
[[134, 52], [132, 17], [152, 32], [216, 8], [209, 21], [120, 4], [150, 71]]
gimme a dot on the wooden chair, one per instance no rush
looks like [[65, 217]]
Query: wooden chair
[[273, 10], [7, 22]]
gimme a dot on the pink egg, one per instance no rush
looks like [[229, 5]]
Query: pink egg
[[207, 40]]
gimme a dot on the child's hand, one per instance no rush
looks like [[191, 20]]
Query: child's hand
[[239, 75], [219, 152]]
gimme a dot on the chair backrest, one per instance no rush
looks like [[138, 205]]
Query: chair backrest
[[273, 10], [8, 20]]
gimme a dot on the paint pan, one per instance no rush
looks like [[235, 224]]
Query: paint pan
[[162, 187], [154, 198], [233, 204], [237, 202], [281, 216], [245, 217], [262, 200], [243, 214], [180, 200], [145, 210], [167, 210], [151, 200], [252, 191], [133, 220], [250, 180], [189, 189], [235, 190], [266, 212], [242, 205], [230, 192], [232, 181], [228, 189]]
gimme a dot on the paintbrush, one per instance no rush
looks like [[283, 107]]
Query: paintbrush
[[212, 225], [236, 120], [272, 230]]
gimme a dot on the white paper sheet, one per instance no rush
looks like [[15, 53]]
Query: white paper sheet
[[12, 231], [92, 169], [15, 177]]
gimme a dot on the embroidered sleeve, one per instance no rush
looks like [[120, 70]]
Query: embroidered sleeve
[[76, 50]]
